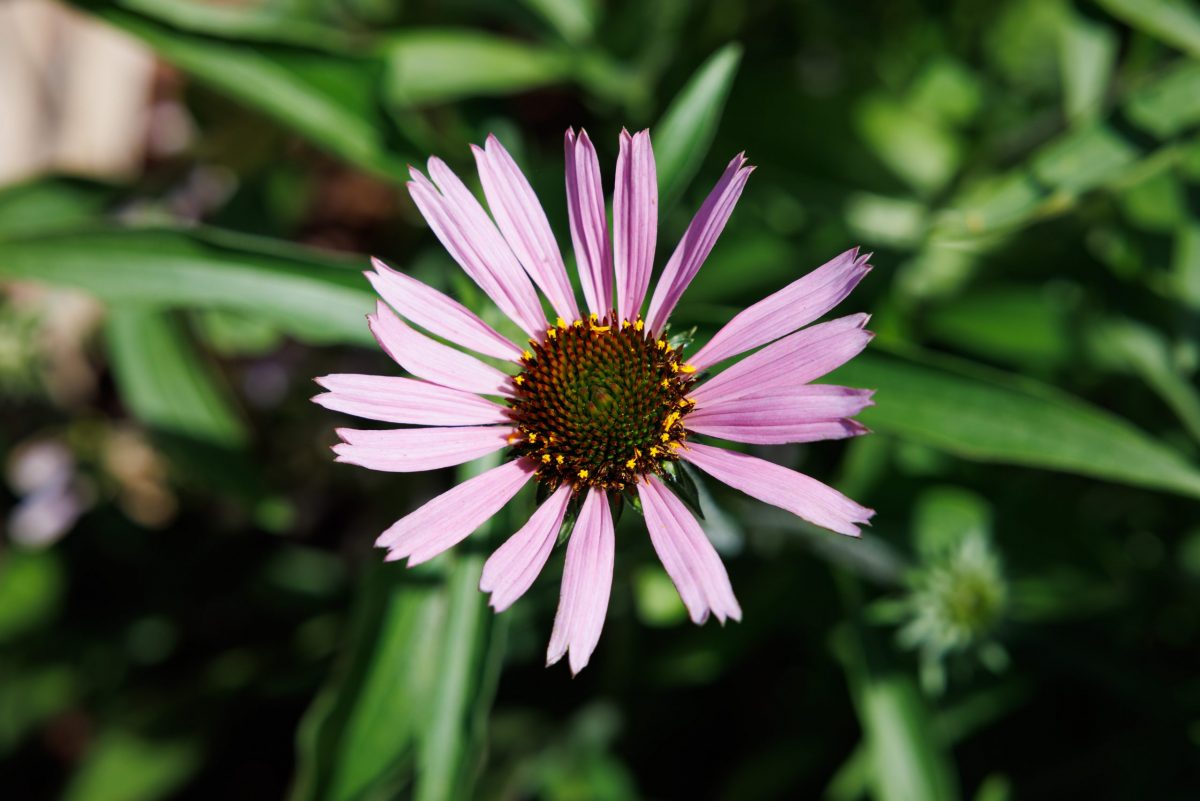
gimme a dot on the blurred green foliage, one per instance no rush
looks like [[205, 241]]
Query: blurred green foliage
[[1022, 620]]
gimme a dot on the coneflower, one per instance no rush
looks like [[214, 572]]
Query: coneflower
[[598, 403]]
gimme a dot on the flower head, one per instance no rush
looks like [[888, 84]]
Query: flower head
[[598, 403]]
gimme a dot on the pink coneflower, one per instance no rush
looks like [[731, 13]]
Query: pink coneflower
[[601, 404]]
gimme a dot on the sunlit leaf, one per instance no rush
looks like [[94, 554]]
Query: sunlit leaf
[[906, 755], [51, 204], [993, 417], [164, 382], [1176, 22], [306, 293], [439, 66], [408, 706], [1087, 55], [125, 767], [332, 99], [573, 19], [1170, 105], [686, 129], [1130, 347], [1085, 159], [919, 150]]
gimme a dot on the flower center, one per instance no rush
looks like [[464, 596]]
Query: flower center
[[599, 404]]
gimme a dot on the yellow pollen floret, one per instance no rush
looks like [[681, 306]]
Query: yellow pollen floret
[[533, 436], [560, 322], [526, 355], [666, 382], [583, 474], [551, 332], [654, 450], [684, 402], [600, 329], [546, 458], [660, 344], [558, 459], [639, 325], [632, 463], [624, 324], [595, 318], [687, 368], [674, 367], [578, 323], [519, 380], [665, 437], [670, 419]]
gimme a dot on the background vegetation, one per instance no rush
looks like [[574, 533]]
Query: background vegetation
[[189, 604]]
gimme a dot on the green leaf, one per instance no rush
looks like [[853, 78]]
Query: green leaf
[[907, 764], [265, 23], [575, 20], [920, 150], [309, 294], [1176, 22], [906, 756], [126, 767], [1185, 264], [163, 381], [1084, 159], [1138, 349], [1021, 326], [410, 706], [1170, 105], [330, 98], [685, 131], [991, 416], [50, 205], [439, 66], [1087, 55], [468, 661], [31, 590]]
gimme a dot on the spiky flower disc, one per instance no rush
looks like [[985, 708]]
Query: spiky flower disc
[[600, 404]]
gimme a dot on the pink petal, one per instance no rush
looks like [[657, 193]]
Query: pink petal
[[587, 581], [635, 222], [511, 570], [404, 400], [524, 225], [469, 235], [789, 363], [804, 414], [814, 431], [589, 223], [411, 450], [770, 483], [697, 242], [689, 558], [792, 307], [451, 517], [439, 314], [433, 361]]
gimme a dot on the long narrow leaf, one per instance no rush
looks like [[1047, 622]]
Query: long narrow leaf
[[311, 295], [993, 417], [685, 132]]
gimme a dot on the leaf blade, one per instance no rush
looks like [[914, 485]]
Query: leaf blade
[[686, 129], [993, 417]]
